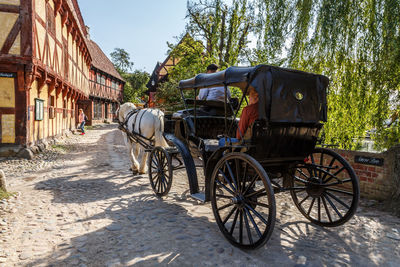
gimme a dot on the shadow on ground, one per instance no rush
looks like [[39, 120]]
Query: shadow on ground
[[140, 229]]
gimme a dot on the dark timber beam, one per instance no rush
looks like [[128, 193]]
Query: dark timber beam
[[9, 8]]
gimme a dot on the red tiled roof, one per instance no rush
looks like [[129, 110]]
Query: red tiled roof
[[101, 61]]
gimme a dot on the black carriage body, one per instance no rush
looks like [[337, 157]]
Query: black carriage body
[[292, 105]]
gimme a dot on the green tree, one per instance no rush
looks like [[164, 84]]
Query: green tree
[[135, 85], [137, 80], [224, 28], [121, 60]]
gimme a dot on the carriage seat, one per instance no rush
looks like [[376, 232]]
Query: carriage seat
[[277, 139], [210, 127]]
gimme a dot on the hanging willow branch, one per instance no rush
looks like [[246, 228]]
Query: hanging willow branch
[[354, 42]]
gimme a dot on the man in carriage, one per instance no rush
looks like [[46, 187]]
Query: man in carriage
[[213, 94]]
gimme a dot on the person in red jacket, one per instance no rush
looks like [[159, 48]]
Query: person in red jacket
[[82, 119], [249, 114]]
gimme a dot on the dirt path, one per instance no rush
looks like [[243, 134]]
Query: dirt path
[[84, 208]]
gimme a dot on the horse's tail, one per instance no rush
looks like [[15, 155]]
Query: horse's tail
[[159, 130]]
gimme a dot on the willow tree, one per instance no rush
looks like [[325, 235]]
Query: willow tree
[[356, 43], [223, 28]]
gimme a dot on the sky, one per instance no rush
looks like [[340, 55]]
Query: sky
[[141, 27]]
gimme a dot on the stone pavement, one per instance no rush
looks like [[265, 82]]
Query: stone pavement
[[79, 205]]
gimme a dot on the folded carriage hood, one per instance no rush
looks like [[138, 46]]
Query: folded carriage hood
[[285, 95], [230, 76]]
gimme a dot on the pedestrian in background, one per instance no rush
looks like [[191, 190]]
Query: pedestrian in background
[[82, 120]]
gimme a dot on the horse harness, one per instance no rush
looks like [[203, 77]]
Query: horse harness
[[134, 135]]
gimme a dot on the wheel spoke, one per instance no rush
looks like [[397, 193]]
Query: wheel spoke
[[257, 214], [338, 200], [241, 227], [225, 206], [314, 172], [232, 176], [155, 176], [244, 178], [311, 205], [251, 184], [253, 222], [333, 206], [165, 182], [339, 191], [302, 173], [234, 222], [155, 162], [326, 209], [223, 196], [165, 164], [304, 199], [248, 228], [338, 183], [321, 162], [159, 184], [334, 175], [319, 209], [256, 193], [158, 157], [258, 203], [229, 215], [226, 179], [298, 189], [298, 179], [226, 188], [330, 165], [238, 184]]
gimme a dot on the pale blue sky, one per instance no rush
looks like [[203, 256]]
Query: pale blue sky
[[141, 27]]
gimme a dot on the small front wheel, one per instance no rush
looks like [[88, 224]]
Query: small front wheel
[[160, 171], [243, 201]]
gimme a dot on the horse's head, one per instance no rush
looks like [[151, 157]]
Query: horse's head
[[124, 109]]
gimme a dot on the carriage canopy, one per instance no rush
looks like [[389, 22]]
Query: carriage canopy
[[285, 95]]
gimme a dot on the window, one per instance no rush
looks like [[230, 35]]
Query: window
[[52, 114], [97, 110], [51, 22], [103, 80], [98, 78], [66, 60], [114, 85], [65, 109], [39, 109], [114, 108]]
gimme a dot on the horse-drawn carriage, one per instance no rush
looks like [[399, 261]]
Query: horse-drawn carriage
[[242, 178]]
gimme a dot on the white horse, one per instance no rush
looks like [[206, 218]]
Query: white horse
[[148, 123]]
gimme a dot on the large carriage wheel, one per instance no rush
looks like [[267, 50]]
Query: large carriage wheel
[[243, 201], [328, 189], [160, 171]]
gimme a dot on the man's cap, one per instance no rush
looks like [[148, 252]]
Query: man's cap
[[212, 67]]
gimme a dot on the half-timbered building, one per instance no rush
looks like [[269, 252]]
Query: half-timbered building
[[162, 70], [106, 87], [45, 66]]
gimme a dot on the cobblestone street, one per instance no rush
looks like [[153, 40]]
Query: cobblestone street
[[78, 204]]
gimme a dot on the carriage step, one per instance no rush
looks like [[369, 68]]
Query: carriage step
[[199, 196], [172, 150]]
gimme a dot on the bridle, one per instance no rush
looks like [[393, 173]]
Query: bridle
[[128, 116]]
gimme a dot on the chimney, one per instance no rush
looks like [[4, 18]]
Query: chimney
[[88, 32]]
